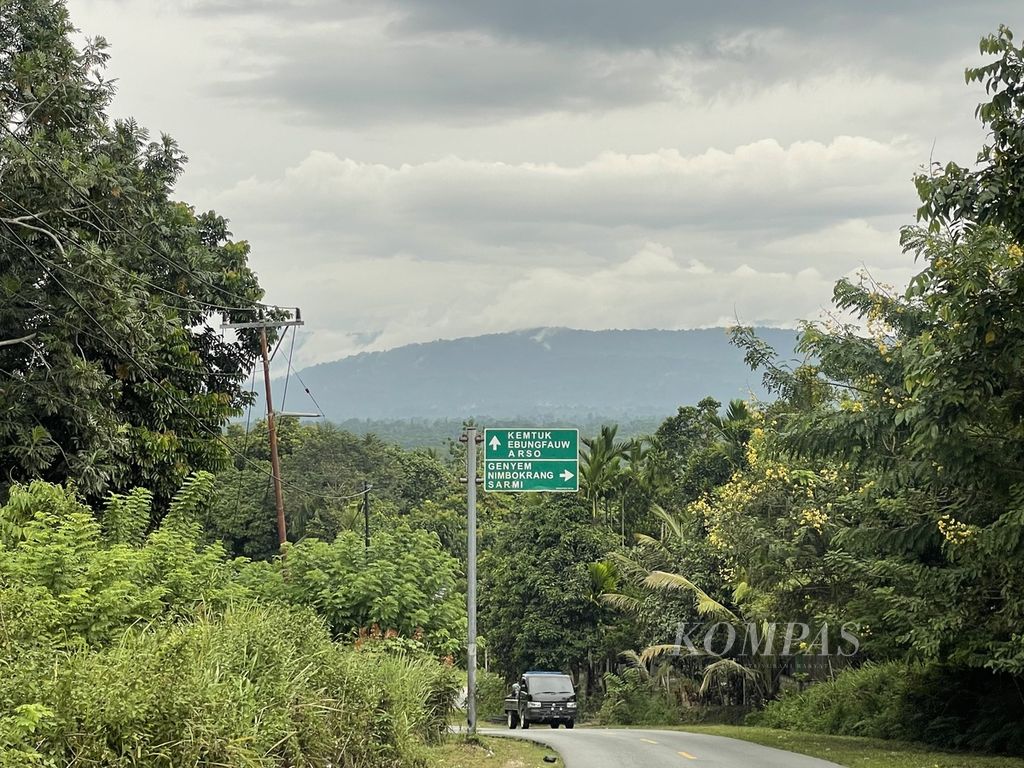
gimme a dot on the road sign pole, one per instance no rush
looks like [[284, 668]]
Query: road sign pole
[[471, 578]]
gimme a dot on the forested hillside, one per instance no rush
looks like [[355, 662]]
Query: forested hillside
[[542, 373]]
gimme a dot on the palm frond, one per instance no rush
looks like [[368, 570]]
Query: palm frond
[[634, 659], [628, 567], [648, 541], [671, 521], [620, 602], [725, 669], [706, 605], [656, 651]]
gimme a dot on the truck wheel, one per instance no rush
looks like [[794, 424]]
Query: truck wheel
[[513, 719], [554, 724], [570, 723], [524, 723]]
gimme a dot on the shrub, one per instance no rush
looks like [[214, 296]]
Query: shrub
[[118, 649], [858, 702], [631, 698], [952, 708], [406, 584], [490, 695], [258, 686]]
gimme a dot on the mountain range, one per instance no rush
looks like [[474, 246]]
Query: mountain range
[[554, 374]]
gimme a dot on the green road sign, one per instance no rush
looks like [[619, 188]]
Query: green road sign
[[531, 460]]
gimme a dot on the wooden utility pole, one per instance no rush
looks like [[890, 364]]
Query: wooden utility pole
[[275, 462], [366, 516]]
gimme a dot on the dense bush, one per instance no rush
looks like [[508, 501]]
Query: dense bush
[[858, 702], [65, 578], [118, 649], [259, 686], [947, 707], [632, 698], [406, 583], [490, 695]]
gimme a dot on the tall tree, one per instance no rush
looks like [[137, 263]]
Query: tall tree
[[992, 192], [537, 606], [600, 465], [124, 379], [928, 407]]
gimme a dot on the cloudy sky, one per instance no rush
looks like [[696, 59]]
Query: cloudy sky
[[408, 170]]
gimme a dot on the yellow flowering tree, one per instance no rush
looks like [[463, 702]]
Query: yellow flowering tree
[[771, 525]]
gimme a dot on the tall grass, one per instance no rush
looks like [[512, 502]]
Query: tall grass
[[253, 688], [119, 650]]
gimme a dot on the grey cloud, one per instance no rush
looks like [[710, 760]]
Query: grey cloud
[[492, 60], [341, 84], [573, 217], [653, 23]]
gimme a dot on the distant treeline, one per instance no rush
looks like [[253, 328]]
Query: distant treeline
[[435, 433]]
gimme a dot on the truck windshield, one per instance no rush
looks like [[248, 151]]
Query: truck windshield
[[552, 684]]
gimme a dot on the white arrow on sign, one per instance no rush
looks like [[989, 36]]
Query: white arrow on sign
[[495, 443], [567, 475]]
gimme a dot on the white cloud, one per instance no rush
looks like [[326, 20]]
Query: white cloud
[[455, 247], [497, 211]]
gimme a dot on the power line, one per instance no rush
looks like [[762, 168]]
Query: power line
[[216, 436], [287, 373], [163, 364], [200, 373], [70, 185], [311, 397], [105, 286], [29, 214], [49, 395], [245, 443]]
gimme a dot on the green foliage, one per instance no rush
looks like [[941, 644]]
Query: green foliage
[[633, 698], [989, 194], [61, 577], [17, 736], [126, 516], [405, 583], [858, 702], [259, 686], [536, 593], [884, 488], [945, 707], [908, 439], [491, 691], [124, 384], [702, 448], [325, 468], [152, 652]]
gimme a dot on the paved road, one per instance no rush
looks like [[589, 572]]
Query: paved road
[[628, 748]]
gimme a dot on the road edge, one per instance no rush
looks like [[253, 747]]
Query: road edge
[[518, 737]]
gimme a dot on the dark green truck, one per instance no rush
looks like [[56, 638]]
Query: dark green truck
[[542, 697]]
